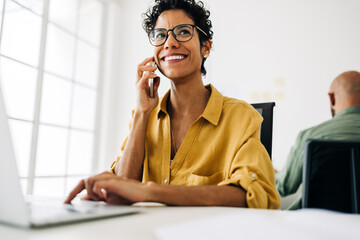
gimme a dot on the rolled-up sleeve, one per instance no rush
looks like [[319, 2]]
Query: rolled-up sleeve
[[252, 170]]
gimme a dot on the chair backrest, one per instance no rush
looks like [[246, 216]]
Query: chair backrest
[[331, 175], [266, 110]]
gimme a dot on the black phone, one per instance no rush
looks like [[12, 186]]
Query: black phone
[[152, 88], [151, 83]]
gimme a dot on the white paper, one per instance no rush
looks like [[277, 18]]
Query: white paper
[[266, 224]]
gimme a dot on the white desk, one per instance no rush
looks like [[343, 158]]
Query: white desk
[[202, 223]]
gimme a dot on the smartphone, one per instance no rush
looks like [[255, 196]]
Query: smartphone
[[152, 88], [151, 83]]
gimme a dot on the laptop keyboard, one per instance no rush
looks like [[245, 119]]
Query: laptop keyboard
[[44, 213], [37, 210], [50, 211]]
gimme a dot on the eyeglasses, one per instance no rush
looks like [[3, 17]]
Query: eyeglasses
[[182, 33]]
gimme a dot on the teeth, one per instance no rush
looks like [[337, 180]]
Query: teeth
[[173, 57]]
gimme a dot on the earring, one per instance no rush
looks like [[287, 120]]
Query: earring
[[206, 55]]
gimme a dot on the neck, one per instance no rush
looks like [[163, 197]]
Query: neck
[[188, 98], [345, 104]]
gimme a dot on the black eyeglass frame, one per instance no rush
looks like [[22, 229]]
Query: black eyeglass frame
[[172, 30]]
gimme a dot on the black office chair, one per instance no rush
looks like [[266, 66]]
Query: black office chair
[[266, 110], [331, 175]]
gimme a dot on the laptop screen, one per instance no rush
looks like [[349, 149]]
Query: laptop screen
[[12, 205]]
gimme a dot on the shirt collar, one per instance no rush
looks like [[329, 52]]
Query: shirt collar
[[214, 106], [162, 107], [348, 110], [212, 110]]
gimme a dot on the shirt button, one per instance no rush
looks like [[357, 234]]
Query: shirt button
[[253, 175], [165, 180]]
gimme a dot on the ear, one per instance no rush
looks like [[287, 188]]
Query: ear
[[332, 99], [205, 48]]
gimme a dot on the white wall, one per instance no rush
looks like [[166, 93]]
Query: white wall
[[287, 51]]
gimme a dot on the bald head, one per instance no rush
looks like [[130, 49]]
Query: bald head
[[345, 91]]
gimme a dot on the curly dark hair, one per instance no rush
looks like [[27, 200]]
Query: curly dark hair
[[195, 10]]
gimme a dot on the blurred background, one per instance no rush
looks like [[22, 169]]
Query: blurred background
[[68, 69]]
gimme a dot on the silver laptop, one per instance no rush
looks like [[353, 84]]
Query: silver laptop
[[16, 211]]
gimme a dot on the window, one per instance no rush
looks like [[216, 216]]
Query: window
[[50, 52]]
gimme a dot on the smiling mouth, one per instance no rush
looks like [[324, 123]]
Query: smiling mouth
[[173, 57]]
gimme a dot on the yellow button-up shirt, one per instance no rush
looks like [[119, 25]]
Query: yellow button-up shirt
[[222, 147]]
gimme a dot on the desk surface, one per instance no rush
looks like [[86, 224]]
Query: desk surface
[[202, 223]]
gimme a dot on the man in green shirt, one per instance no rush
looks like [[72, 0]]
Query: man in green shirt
[[344, 98]]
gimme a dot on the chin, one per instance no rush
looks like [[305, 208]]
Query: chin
[[174, 75]]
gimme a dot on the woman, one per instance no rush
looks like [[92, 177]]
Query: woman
[[193, 146]]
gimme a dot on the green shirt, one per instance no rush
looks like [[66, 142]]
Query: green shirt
[[344, 126]]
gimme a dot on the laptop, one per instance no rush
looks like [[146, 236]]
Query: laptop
[[15, 210]]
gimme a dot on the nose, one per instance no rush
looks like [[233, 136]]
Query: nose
[[171, 42]]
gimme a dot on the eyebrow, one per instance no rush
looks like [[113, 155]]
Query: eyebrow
[[175, 25]]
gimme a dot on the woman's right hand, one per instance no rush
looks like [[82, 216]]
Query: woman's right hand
[[145, 71]]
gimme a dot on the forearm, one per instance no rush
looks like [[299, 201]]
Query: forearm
[[130, 164], [230, 196]]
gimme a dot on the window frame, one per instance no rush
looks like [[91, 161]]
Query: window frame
[[36, 123]]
